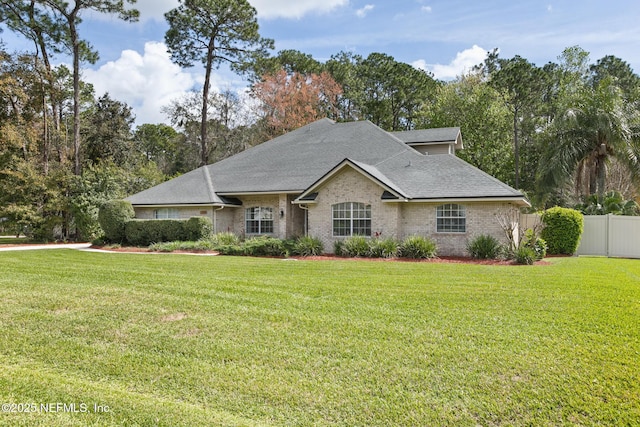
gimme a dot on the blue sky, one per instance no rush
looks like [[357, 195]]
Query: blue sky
[[444, 37]]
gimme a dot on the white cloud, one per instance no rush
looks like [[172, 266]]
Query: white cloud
[[462, 63], [155, 9], [426, 9], [149, 10], [145, 82], [270, 9], [363, 12]]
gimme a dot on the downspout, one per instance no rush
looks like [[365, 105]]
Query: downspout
[[306, 218], [215, 219], [212, 196]]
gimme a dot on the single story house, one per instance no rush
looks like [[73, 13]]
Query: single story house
[[333, 180]]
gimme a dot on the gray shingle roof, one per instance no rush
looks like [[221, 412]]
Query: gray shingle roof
[[428, 135], [194, 187], [295, 161]]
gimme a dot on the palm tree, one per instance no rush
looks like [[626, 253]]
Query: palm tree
[[583, 140]]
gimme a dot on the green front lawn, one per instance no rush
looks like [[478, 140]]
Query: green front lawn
[[12, 240], [188, 340]]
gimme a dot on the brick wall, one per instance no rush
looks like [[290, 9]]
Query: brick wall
[[232, 219], [291, 224], [351, 186], [388, 219], [398, 219], [420, 219]]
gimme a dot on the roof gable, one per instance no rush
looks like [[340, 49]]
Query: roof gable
[[391, 191]]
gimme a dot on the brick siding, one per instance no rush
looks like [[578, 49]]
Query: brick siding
[[398, 219]]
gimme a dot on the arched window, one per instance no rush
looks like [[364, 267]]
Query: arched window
[[451, 218], [351, 219], [258, 220]]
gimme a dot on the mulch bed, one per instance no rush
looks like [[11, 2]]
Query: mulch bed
[[329, 257], [437, 260]]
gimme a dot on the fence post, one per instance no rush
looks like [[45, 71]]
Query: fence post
[[609, 235]]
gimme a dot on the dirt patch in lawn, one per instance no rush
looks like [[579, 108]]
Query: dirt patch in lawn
[[173, 317]]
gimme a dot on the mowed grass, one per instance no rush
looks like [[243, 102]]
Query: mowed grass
[[11, 240], [224, 341]]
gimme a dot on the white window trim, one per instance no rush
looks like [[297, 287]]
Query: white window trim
[[459, 208], [264, 212], [351, 219], [166, 213]]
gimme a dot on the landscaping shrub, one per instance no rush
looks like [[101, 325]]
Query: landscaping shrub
[[308, 246], [338, 247], [264, 246], [113, 217], [383, 248], [226, 243], [562, 230], [198, 245], [525, 255], [198, 227], [355, 246], [539, 245], [418, 247], [234, 250], [170, 246], [143, 232], [225, 239], [484, 247]]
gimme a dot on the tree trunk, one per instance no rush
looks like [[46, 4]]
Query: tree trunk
[[76, 97], [601, 172], [204, 155], [46, 135], [516, 149]]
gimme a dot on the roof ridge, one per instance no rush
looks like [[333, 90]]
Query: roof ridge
[[207, 178], [386, 180]]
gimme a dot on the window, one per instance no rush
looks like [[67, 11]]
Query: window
[[166, 213], [259, 220], [350, 219], [451, 218]]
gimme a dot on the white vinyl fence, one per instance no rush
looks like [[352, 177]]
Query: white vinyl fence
[[604, 235], [611, 235]]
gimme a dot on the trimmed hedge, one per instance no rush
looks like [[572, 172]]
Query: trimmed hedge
[[562, 230], [143, 232], [264, 246], [113, 217], [198, 227]]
